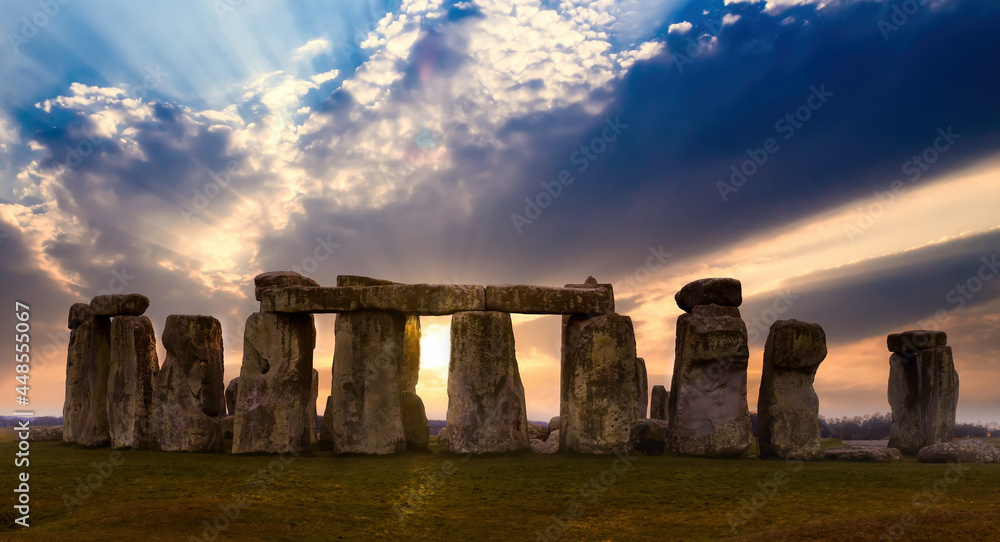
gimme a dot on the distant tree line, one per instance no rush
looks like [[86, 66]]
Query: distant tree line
[[876, 427]]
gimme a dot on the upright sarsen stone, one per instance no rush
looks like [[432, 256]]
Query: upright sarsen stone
[[486, 409], [642, 387], [937, 395], [923, 390], [598, 406], [905, 433], [312, 416], [275, 384], [131, 382], [231, 390], [415, 427], [88, 363], [411, 354], [190, 399], [363, 410], [708, 392], [788, 408], [659, 404]]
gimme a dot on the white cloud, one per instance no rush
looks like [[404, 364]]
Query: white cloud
[[312, 48], [729, 19], [679, 28]]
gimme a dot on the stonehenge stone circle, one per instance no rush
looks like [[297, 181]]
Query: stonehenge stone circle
[[364, 410], [131, 382], [416, 431], [659, 404], [190, 400], [642, 387], [275, 384], [708, 396], [598, 405], [88, 364], [486, 410], [788, 408], [923, 390]]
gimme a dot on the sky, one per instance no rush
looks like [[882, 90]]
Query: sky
[[840, 158]]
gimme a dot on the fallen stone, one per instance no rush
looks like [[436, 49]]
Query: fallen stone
[[486, 409], [119, 305], [659, 404], [275, 384], [554, 424], [45, 433], [88, 365], [537, 431], [788, 407], [190, 400], [880, 454], [549, 446], [727, 292], [416, 431], [131, 382], [547, 300], [960, 451], [364, 409], [231, 390], [642, 387], [598, 404], [78, 314], [908, 342], [276, 280], [649, 436], [708, 392]]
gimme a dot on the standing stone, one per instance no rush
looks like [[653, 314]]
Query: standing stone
[[416, 430], [788, 408], [88, 362], [131, 382], [326, 427], [923, 390], [411, 354], [642, 387], [275, 384], [486, 409], [659, 404], [190, 401], [231, 390], [708, 395], [364, 410], [312, 416], [598, 406]]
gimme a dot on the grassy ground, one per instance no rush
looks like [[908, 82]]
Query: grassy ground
[[317, 496]]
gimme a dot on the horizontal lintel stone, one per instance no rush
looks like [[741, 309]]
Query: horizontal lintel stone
[[548, 300]]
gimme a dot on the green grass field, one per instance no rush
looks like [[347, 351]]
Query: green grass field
[[434, 496]]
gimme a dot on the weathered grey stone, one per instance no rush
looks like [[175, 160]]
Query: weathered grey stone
[[312, 417], [708, 392], [486, 411], [591, 282], [642, 387], [326, 428], [411, 355], [275, 384], [231, 391], [424, 299], [45, 433], [659, 404], [549, 446], [364, 409], [908, 342], [190, 400], [863, 453], [727, 292], [923, 394], [131, 383], [649, 436], [442, 437], [119, 305], [598, 404], [548, 300], [298, 299], [416, 431], [555, 424], [960, 451], [78, 314], [537, 431], [788, 408], [276, 280], [88, 365], [227, 426], [715, 310]]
